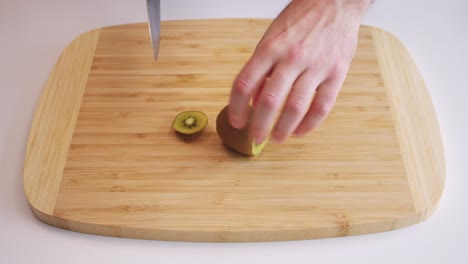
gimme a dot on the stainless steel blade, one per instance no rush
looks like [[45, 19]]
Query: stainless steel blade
[[154, 17]]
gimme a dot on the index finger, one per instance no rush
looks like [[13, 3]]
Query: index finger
[[246, 84]]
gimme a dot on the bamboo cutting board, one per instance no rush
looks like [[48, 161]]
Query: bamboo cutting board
[[102, 157]]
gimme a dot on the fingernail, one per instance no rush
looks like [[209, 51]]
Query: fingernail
[[277, 140], [259, 140], [236, 123], [298, 133]]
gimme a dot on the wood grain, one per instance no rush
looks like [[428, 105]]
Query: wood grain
[[369, 168], [415, 121], [54, 122]]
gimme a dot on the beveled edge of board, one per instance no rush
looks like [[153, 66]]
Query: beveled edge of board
[[54, 122], [52, 130], [416, 122], [341, 229]]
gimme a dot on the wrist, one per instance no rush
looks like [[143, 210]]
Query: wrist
[[354, 8], [358, 7]]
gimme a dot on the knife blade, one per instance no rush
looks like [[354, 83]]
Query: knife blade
[[154, 22]]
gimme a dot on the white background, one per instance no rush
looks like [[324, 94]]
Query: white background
[[32, 35]]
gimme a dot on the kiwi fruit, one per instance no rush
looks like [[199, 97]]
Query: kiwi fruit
[[190, 122], [237, 139]]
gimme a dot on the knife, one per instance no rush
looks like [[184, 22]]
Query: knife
[[154, 17]]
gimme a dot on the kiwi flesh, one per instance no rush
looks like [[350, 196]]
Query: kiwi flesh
[[236, 139], [190, 122]]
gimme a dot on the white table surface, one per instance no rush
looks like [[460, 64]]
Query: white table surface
[[32, 35]]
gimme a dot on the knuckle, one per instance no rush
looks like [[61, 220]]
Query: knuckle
[[295, 53], [342, 65], [264, 47], [314, 66], [335, 70], [283, 74], [269, 101], [322, 109], [268, 47], [338, 69], [241, 85], [296, 106]]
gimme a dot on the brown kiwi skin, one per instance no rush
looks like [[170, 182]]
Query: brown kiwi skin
[[185, 137], [234, 138]]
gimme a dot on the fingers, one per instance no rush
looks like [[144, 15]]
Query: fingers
[[321, 106], [258, 91], [297, 105], [270, 101], [247, 82]]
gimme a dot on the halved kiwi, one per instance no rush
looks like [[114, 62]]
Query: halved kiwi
[[236, 139], [190, 122]]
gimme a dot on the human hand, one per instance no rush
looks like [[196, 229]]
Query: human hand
[[297, 69]]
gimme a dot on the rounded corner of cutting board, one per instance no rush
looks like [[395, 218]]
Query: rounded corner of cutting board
[[91, 34], [53, 123], [415, 120], [380, 30], [51, 133]]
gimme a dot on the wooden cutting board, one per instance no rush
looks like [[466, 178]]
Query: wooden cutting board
[[102, 157]]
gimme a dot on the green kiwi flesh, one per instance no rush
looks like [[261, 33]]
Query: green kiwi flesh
[[190, 122]]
